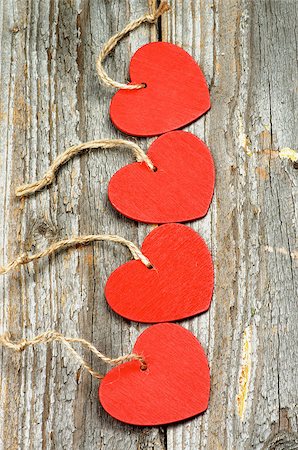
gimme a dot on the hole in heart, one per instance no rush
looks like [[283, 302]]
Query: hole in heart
[[143, 367], [144, 85], [150, 267], [154, 169]]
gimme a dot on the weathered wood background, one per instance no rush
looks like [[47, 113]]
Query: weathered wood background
[[50, 98]]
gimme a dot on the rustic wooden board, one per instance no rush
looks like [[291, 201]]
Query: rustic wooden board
[[50, 98]]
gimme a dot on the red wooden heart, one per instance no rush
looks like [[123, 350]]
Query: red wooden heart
[[181, 189], [174, 387], [176, 92], [180, 284]]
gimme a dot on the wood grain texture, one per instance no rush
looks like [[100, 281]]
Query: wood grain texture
[[51, 98]]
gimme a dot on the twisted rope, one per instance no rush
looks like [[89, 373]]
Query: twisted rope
[[49, 176], [79, 240], [113, 41], [51, 336]]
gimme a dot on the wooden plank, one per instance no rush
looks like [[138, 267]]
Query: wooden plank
[[248, 54], [51, 98]]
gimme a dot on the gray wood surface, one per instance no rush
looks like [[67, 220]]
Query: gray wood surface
[[50, 98]]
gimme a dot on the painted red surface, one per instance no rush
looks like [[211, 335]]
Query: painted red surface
[[179, 190], [179, 285], [176, 92], [174, 387]]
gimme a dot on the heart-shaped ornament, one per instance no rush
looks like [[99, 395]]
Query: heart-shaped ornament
[[179, 285], [175, 386], [176, 92], [179, 190]]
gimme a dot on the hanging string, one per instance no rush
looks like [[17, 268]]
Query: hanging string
[[51, 336], [49, 176], [71, 242], [113, 41]]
